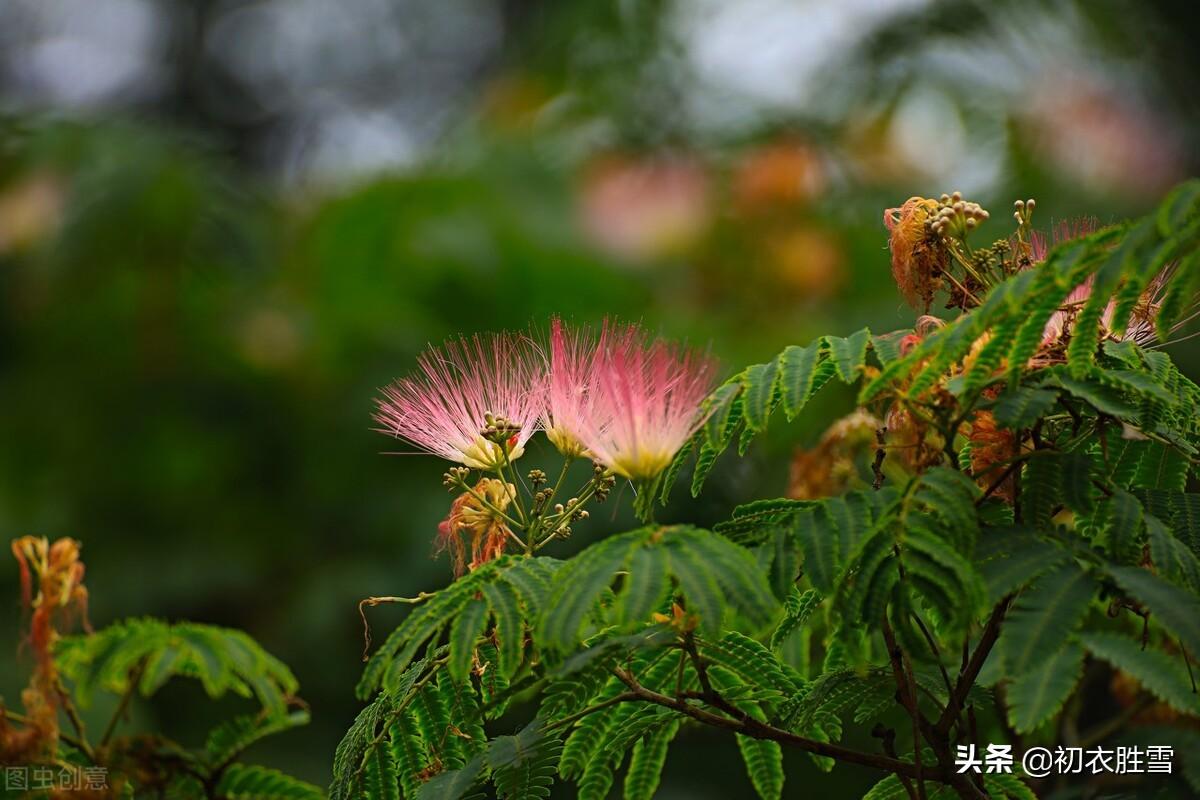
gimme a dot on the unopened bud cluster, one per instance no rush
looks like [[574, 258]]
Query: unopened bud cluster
[[604, 481], [1023, 210], [498, 429], [955, 217], [455, 477]]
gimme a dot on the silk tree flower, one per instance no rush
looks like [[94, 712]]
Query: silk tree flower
[[474, 401], [916, 258], [1140, 327], [569, 393], [646, 403], [476, 527], [571, 403]]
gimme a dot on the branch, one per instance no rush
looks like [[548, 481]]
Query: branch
[[565, 722], [76, 721], [748, 726], [966, 677], [374, 601], [906, 694], [135, 677]]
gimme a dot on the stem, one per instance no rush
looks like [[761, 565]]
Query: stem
[[906, 694], [76, 721], [967, 676], [374, 601], [937, 654], [565, 722], [514, 496], [748, 726], [560, 521], [135, 677]]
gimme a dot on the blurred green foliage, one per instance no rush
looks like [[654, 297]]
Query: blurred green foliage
[[189, 351]]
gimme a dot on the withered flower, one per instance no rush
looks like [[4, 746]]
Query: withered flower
[[918, 256], [52, 591], [476, 524], [829, 468]]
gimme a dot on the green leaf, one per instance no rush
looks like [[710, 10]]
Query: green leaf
[[760, 394], [1100, 397], [726, 404], [1043, 616], [1037, 694], [1122, 530], [579, 585], [1163, 676], [222, 659], [646, 585], [1002, 786], [764, 765], [467, 627], [1023, 407], [700, 588], [452, 784], [798, 366], [523, 765], [1010, 559], [241, 782], [817, 534], [231, 738], [646, 763], [1176, 609], [849, 354], [796, 611], [504, 605], [1172, 558], [380, 781], [887, 345], [1077, 482], [1162, 467]]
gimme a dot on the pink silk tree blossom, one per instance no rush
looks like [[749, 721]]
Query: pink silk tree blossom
[[646, 402], [446, 405], [1140, 327]]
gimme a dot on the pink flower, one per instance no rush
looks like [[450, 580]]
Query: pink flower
[[468, 385], [1141, 325], [646, 402], [570, 397]]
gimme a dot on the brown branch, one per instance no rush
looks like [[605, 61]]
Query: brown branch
[[624, 697], [880, 454], [135, 677], [887, 738], [966, 678], [76, 721], [374, 601], [907, 695], [748, 726]]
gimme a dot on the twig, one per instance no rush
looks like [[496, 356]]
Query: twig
[[76, 721], [135, 677], [887, 738], [748, 726], [966, 678], [375, 601], [906, 694], [880, 454]]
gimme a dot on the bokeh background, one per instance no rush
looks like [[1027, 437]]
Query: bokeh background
[[225, 223]]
